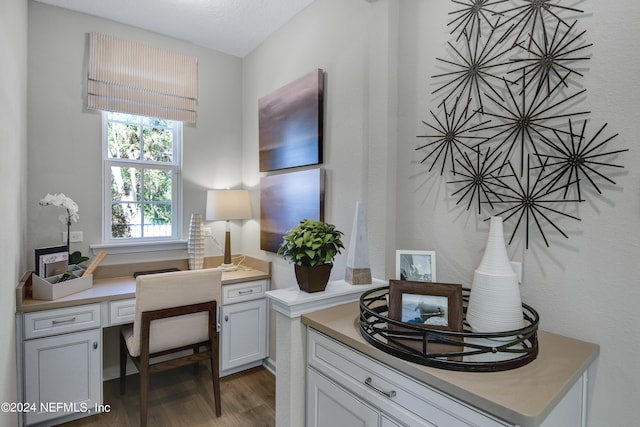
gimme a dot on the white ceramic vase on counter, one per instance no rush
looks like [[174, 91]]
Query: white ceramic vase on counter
[[495, 304], [195, 244]]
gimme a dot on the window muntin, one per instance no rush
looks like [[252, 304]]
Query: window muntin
[[142, 178]]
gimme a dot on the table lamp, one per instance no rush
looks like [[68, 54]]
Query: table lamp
[[226, 205]]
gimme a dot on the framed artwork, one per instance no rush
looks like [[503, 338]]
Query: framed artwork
[[285, 200], [290, 124], [428, 305], [436, 305], [416, 265]]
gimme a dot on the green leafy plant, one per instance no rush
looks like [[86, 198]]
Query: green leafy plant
[[76, 257], [311, 243]]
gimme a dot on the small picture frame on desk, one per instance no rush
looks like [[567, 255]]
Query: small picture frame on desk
[[50, 255], [426, 305], [416, 265]]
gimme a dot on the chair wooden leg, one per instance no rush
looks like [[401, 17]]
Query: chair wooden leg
[[215, 377], [123, 364], [196, 366], [144, 391]]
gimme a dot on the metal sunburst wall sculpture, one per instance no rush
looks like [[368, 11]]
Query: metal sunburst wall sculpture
[[508, 134]]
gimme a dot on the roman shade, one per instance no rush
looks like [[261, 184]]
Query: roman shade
[[130, 77]]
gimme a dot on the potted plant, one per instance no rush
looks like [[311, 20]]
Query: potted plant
[[311, 246]]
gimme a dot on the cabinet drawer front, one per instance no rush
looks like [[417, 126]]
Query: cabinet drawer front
[[122, 311], [388, 389], [61, 321], [246, 291]]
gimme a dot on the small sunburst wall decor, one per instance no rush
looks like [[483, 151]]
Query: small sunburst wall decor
[[508, 133]]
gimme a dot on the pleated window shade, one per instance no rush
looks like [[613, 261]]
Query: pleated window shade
[[135, 78]]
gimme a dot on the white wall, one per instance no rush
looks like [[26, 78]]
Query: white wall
[[65, 137], [332, 35], [584, 287], [13, 176]]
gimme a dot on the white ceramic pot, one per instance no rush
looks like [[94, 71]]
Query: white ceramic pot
[[195, 244], [495, 304]]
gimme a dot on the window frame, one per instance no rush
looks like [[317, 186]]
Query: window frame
[[176, 190]]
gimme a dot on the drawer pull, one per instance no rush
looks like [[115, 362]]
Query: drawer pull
[[389, 394], [250, 291], [62, 322]]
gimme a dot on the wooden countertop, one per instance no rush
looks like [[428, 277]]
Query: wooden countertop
[[523, 396], [116, 282]]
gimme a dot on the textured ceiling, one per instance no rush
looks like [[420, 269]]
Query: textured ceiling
[[235, 27]]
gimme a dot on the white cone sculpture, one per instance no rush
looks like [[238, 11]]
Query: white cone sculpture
[[494, 303], [358, 271]]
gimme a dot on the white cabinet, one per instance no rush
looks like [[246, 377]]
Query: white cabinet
[[339, 376], [397, 399], [243, 336], [63, 366], [329, 405]]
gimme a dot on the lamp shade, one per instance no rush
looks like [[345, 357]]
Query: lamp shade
[[224, 205]]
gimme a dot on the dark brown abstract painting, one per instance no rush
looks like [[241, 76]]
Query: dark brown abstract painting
[[290, 122], [285, 200]]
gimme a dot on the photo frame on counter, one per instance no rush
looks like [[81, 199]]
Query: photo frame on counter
[[416, 265], [426, 305]]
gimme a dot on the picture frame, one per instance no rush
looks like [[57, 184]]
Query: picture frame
[[290, 124], [416, 265], [434, 305], [285, 200], [429, 305]]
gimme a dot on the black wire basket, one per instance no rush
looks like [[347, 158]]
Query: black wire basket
[[459, 351]]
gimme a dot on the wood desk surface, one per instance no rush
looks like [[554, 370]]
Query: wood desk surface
[[116, 282], [523, 396]]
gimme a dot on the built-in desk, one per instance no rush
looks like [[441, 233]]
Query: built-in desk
[[60, 343]]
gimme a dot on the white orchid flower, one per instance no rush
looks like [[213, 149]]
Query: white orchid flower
[[62, 201]]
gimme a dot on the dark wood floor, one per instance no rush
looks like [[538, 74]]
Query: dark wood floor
[[181, 398]]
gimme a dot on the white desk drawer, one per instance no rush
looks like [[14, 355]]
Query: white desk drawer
[[61, 321], [122, 311], [246, 291]]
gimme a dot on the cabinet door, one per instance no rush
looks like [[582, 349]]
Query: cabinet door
[[244, 333], [388, 422], [329, 405], [63, 375]]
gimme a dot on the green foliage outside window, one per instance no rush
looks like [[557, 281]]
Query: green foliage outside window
[[141, 156]]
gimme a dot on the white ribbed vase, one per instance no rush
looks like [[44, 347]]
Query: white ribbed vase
[[195, 244], [494, 303]]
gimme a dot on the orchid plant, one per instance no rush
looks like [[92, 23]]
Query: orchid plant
[[61, 201]]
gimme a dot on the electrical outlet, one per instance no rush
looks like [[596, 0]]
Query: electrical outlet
[[208, 232], [74, 237]]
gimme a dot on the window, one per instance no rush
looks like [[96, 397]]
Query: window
[[141, 178]]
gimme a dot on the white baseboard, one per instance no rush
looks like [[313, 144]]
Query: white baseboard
[[270, 364]]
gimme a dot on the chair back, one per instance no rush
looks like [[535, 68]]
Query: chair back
[[175, 289]]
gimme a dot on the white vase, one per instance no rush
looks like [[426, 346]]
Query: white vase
[[195, 245], [494, 303]]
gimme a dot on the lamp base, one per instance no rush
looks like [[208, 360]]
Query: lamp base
[[228, 267]]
